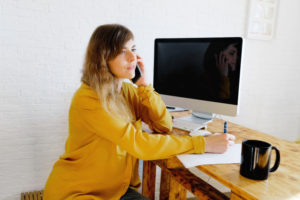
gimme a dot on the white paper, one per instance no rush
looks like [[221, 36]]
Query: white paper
[[232, 155]]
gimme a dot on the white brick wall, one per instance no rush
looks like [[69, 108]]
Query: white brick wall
[[42, 44]]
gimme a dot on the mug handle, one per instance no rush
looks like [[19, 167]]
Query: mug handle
[[276, 164]]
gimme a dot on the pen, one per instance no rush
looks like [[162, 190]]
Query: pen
[[170, 107], [225, 127]]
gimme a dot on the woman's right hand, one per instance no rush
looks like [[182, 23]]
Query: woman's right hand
[[218, 142]]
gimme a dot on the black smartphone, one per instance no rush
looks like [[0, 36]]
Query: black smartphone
[[138, 74]]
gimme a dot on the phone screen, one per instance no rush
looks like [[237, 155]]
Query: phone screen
[[138, 74]]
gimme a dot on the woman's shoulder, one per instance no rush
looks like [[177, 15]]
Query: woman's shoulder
[[128, 86], [129, 89], [85, 98]]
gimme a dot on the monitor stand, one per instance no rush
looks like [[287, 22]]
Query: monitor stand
[[193, 122], [203, 115]]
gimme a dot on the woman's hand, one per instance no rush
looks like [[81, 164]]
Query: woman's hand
[[142, 81], [222, 63], [218, 142]]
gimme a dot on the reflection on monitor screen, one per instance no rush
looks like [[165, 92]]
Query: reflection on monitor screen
[[202, 74]]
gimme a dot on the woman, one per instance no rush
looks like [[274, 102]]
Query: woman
[[105, 135]]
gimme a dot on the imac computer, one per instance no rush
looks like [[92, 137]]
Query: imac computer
[[201, 74]]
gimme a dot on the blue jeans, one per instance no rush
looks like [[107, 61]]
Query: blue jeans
[[131, 194]]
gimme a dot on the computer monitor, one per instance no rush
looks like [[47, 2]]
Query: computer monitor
[[202, 74]]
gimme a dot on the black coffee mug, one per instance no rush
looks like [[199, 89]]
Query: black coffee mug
[[255, 160]]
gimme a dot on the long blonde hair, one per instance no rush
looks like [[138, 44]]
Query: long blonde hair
[[105, 44]]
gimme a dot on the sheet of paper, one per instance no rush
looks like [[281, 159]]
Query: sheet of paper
[[232, 155]]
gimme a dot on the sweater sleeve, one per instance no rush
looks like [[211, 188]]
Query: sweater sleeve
[[130, 136], [150, 108]]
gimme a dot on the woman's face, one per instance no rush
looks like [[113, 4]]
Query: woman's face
[[124, 64], [231, 55]]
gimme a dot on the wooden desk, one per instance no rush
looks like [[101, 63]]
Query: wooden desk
[[281, 184]]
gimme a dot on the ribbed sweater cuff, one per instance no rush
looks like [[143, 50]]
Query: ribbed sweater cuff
[[199, 144]]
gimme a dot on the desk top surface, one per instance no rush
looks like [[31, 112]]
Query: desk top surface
[[284, 183]]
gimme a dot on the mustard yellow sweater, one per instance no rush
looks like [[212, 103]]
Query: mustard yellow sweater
[[101, 152]]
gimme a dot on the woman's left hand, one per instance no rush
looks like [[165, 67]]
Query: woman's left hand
[[141, 81]]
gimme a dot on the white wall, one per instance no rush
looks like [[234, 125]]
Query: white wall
[[42, 44]]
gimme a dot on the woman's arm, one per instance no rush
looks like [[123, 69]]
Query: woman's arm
[[153, 110], [130, 136], [150, 108]]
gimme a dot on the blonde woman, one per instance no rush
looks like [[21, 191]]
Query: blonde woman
[[105, 135]]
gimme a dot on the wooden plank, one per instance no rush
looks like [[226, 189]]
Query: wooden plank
[[235, 197], [177, 191], [148, 185], [164, 185]]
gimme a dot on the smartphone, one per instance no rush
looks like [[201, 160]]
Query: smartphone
[[138, 74]]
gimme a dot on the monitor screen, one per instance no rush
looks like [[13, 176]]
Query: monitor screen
[[206, 69]]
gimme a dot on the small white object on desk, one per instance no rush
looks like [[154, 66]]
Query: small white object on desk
[[200, 132]]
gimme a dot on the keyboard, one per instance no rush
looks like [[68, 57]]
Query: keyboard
[[190, 123]]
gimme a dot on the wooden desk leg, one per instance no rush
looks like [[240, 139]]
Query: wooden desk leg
[[170, 189], [164, 185], [149, 173], [177, 191]]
